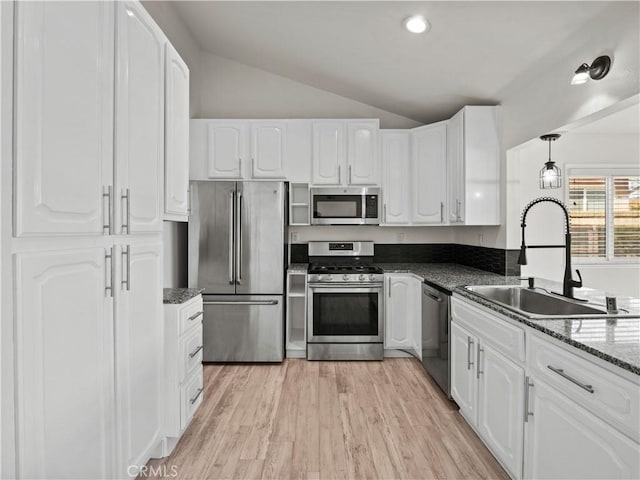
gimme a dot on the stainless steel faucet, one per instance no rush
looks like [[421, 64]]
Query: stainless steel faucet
[[568, 283]]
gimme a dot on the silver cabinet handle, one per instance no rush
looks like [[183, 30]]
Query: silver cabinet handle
[[194, 316], [126, 223], [195, 352], [189, 201], [193, 400], [441, 212], [458, 205], [527, 386], [339, 174], [389, 289], [231, 252], [479, 352], [106, 224], [241, 302], [108, 273], [384, 212], [239, 240], [253, 167], [560, 371], [239, 168], [469, 344], [349, 174], [125, 283]]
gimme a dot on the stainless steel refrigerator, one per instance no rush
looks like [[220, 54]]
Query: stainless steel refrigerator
[[236, 253]]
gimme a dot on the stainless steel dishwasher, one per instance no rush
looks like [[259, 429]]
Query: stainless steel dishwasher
[[435, 335]]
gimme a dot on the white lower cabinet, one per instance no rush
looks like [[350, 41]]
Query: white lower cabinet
[[581, 417], [563, 440], [402, 314], [88, 366], [183, 373], [64, 366], [139, 353]]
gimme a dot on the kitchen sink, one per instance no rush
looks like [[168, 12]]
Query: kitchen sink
[[534, 303]]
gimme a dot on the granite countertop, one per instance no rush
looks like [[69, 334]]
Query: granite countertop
[[179, 295], [448, 276], [613, 339], [297, 267]]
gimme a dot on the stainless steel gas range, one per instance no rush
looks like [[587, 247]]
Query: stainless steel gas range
[[345, 302]]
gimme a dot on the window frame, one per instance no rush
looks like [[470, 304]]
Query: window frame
[[608, 172]]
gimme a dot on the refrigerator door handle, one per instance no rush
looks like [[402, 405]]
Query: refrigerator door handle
[[241, 302], [239, 240], [231, 205]]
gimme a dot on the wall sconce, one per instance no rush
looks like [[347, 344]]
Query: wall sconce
[[597, 71], [550, 175]]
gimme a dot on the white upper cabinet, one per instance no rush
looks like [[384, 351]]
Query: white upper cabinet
[[176, 186], [268, 149], [396, 177], [345, 152], [139, 121], [226, 149], [64, 61], [474, 166], [139, 351], [329, 153], [362, 155], [64, 363], [428, 156]]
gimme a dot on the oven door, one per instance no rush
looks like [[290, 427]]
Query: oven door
[[345, 313]]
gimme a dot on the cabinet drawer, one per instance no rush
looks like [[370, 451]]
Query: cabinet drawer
[[191, 395], [506, 338], [190, 352], [191, 314], [612, 398]]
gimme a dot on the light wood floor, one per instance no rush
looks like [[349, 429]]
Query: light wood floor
[[327, 420]]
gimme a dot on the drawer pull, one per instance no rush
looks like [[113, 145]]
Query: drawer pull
[[527, 386], [193, 317], [193, 400], [195, 352], [560, 371], [469, 344]]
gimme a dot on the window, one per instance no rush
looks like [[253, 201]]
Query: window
[[605, 215]]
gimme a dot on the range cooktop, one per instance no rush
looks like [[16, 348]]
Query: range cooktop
[[343, 268]]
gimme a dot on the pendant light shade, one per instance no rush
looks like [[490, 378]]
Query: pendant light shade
[[550, 175]]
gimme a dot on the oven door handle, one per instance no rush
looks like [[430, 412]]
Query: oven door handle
[[349, 285]]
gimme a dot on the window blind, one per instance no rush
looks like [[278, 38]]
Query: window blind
[[605, 216]]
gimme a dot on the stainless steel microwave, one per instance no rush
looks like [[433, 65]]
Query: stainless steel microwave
[[345, 206]]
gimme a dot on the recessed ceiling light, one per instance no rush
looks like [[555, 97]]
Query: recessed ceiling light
[[416, 24]]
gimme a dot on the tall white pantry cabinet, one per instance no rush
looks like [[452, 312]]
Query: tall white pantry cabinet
[[82, 204]]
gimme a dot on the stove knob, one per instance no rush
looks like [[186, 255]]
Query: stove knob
[[372, 277], [361, 278], [345, 277]]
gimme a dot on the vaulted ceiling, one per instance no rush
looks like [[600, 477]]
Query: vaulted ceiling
[[359, 49]]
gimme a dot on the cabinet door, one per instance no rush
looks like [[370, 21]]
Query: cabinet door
[[398, 322], [176, 196], [563, 440], [500, 407], [63, 116], [328, 157], [268, 144], [455, 162], [226, 149], [429, 173], [139, 120], [139, 344], [362, 153], [396, 178], [463, 371], [64, 365]]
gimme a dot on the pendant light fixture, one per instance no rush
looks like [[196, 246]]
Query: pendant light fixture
[[550, 175]]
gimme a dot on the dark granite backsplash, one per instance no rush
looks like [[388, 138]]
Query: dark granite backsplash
[[496, 260]]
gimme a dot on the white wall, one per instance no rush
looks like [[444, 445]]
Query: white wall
[[542, 99], [545, 222], [230, 89]]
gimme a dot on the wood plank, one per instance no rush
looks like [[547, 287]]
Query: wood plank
[[327, 420]]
